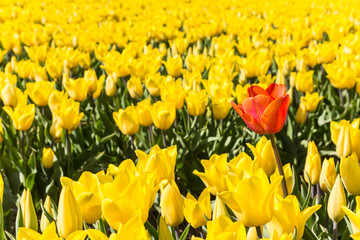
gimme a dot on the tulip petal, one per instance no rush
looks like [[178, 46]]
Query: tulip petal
[[274, 116], [248, 119], [255, 90], [276, 91]]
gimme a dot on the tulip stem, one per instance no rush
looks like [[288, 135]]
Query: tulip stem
[[335, 228], [150, 136], [341, 97], [279, 164], [132, 142], [163, 138], [318, 192], [93, 108], [67, 150], [258, 231], [22, 145]]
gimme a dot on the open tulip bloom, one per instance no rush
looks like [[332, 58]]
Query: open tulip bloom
[[265, 110]]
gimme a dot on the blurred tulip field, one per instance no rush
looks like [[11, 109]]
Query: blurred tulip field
[[175, 120]]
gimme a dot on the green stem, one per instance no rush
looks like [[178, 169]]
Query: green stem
[[279, 164], [335, 228], [258, 232], [163, 138], [151, 138]]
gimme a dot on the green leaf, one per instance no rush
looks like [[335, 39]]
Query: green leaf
[[308, 194], [152, 231], [47, 214], [185, 233]]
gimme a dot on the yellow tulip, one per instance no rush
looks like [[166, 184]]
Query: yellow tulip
[[214, 173], [301, 114], [174, 65], [264, 154], [40, 92], [196, 102], [173, 93], [350, 174], [287, 216], [8, 95], [354, 217], [134, 87], [164, 232], [127, 120], [251, 234], [225, 229], [92, 234], [68, 113], [337, 199], [327, 175], [133, 229], [303, 81], [195, 211], [54, 67], [153, 84], [110, 86], [241, 92], [288, 178], [23, 117], [160, 160], [37, 53], [86, 192], [28, 210], [311, 101], [44, 221], [144, 111], [172, 204], [312, 164], [91, 81], [219, 208], [56, 130], [258, 207], [99, 86], [47, 159], [29, 234], [163, 114], [69, 217], [40, 74], [346, 137], [220, 106], [76, 88], [340, 74]]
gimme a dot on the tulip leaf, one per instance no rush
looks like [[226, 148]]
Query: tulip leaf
[[346, 235], [30, 180], [308, 234], [151, 230], [19, 221], [47, 214], [185, 233], [308, 195], [9, 235]]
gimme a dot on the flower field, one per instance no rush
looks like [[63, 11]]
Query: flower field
[[175, 120]]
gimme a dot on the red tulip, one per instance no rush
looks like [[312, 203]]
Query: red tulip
[[264, 111]]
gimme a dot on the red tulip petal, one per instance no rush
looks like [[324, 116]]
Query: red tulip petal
[[248, 119], [256, 90], [276, 91], [274, 116], [255, 106]]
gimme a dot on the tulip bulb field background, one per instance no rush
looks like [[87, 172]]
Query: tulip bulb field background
[[174, 120]]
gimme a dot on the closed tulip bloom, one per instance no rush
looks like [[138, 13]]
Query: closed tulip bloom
[[163, 114], [288, 178], [327, 175], [153, 84], [28, 211], [144, 111], [287, 216], [127, 120], [264, 153], [91, 80], [337, 199], [1, 188], [160, 160], [312, 164], [301, 114], [99, 86], [76, 88], [69, 217], [174, 65], [39, 92], [69, 116], [225, 229], [55, 129], [47, 159], [29, 234], [110, 86], [263, 106], [220, 106], [134, 87], [54, 67], [340, 74], [343, 145], [196, 210], [350, 174], [354, 217], [196, 102], [311, 101], [214, 173], [252, 234], [172, 92], [44, 221], [172, 204], [340, 136], [8, 95], [23, 117], [258, 207], [304, 81]]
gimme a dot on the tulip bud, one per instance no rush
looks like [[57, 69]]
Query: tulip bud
[[110, 86], [327, 175], [312, 164], [196, 102], [44, 221], [311, 101], [163, 114], [219, 209], [252, 234], [337, 199], [28, 211], [144, 111], [301, 114], [127, 120], [69, 217], [343, 145], [134, 87], [47, 157], [40, 92], [91, 79], [172, 204], [8, 95], [350, 174]]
